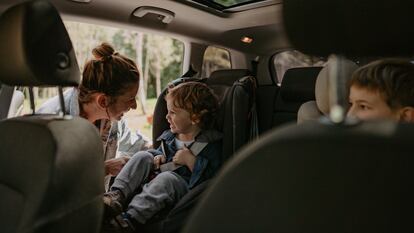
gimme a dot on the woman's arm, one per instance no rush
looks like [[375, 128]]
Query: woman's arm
[[130, 142]]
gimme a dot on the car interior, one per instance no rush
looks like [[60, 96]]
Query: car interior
[[292, 161]]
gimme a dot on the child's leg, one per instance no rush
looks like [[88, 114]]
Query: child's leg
[[134, 173], [165, 189]]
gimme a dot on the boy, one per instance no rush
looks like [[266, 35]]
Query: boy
[[383, 89], [190, 153]]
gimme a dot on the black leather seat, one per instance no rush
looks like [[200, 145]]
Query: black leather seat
[[315, 178], [298, 87], [51, 167], [234, 89]]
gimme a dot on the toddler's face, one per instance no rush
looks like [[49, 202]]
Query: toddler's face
[[179, 119], [366, 104]]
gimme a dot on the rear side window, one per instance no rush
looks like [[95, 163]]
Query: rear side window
[[159, 59], [291, 59], [215, 59]]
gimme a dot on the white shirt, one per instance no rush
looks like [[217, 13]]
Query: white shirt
[[180, 144]]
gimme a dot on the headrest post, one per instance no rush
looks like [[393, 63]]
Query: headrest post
[[337, 90], [62, 102], [32, 100]]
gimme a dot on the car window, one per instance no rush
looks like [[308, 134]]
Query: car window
[[290, 59], [159, 59], [215, 59]]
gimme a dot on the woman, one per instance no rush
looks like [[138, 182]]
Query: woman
[[109, 85]]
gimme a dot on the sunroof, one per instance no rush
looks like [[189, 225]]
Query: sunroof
[[225, 4], [232, 3]]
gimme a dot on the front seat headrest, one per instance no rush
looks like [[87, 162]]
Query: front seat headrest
[[226, 77], [312, 110], [298, 84], [46, 57], [322, 84], [356, 28]]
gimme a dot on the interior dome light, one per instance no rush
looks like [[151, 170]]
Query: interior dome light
[[246, 39]]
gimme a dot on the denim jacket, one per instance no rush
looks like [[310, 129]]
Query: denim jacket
[[207, 163]]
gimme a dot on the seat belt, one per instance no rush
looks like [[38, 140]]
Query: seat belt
[[195, 148]]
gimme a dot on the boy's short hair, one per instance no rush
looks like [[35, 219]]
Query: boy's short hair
[[196, 98], [393, 78]]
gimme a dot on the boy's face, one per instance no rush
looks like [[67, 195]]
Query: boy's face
[[366, 104], [179, 119]]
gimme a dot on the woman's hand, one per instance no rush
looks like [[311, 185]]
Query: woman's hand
[[114, 166], [185, 157], [158, 160]]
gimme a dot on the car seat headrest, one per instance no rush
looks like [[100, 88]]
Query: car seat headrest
[[298, 84], [322, 84], [308, 111], [356, 28], [226, 77], [36, 47]]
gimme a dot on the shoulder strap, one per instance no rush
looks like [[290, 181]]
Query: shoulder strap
[[197, 147]]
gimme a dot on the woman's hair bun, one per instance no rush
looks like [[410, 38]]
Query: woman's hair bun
[[103, 52]]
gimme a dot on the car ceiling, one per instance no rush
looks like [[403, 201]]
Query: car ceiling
[[262, 22]]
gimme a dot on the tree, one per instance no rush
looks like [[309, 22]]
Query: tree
[[159, 58], [142, 92], [215, 59], [160, 53]]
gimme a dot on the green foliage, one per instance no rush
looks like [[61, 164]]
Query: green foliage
[[159, 54], [174, 69], [124, 41], [215, 59], [293, 58]]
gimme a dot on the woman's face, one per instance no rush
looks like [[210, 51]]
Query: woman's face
[[123, 103]]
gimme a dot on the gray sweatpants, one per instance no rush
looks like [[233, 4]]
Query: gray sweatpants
[[165, 189]]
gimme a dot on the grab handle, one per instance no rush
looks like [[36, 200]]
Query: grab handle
[[166, 15]]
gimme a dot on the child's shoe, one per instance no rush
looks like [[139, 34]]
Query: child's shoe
[[113, 201]]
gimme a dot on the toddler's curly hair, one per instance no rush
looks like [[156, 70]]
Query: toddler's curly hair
[[198, 99]]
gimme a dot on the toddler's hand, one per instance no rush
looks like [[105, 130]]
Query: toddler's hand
[[184, 157], [158, 160]]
